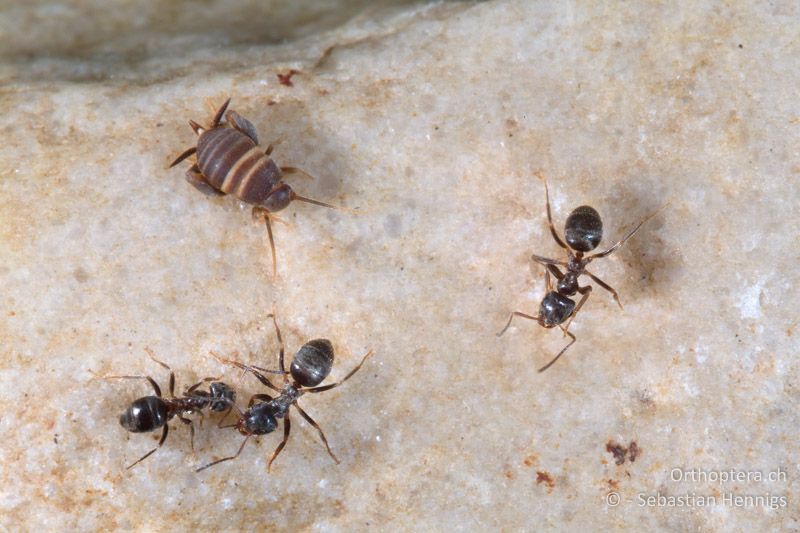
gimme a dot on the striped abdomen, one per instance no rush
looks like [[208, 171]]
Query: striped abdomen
[[232, 163]]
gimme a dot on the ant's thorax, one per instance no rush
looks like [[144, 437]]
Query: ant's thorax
[[290, 393]]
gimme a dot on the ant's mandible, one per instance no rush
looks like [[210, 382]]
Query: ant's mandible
[[310, 366], [583, 232]]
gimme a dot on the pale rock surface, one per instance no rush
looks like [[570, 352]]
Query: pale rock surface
[[432, 119]]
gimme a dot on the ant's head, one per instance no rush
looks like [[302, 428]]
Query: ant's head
[[312, 363], [584, 229], [222, 396], [258, 420]]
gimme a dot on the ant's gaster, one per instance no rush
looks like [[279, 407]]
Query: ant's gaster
[[149, 413], [583, 232], [310, 366]]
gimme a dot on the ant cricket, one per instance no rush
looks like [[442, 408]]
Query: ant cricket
[[310, 366], [149, 413], [583, 232], [230, 161]]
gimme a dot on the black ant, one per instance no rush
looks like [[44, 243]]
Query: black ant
[[152, 412], [583, 232], [310, 366]]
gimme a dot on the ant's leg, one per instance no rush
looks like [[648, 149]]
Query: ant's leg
[[319, 429], [282, 371], [605, 286], [564, 349], [262, 378], [555, 272], [267, 370], [628, 236], [332, 385], [194, 387], [221, 420], [234, 456], [547, 261], [152, 356], [260, 397], [268, 151], [152, 382], [585, 291], [280, 342], [151, 452], [549, 216], [510, 318], [184, 155], [287, 426], [191, 429], [259, 376], [253, 368]]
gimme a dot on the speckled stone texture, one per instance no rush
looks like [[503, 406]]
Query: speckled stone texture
[[432, 120]]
